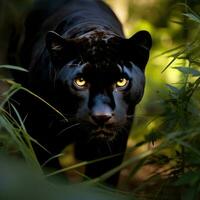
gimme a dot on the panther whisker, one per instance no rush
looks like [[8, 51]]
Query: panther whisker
[[109, 147], [70, 127]]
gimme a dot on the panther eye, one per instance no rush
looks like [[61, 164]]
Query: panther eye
[[122, 82], [80, 82]]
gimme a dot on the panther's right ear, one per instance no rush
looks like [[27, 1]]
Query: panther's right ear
[[59, 48], [137, 48]]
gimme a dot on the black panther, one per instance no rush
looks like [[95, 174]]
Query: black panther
[[79, 61]]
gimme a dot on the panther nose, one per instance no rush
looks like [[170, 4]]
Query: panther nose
[[101, 118]]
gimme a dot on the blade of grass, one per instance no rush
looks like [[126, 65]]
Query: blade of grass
[[118, 168], [17, 132], [173, 59], [81, 164], [38, 97], [15, 135], [19, 87], [26, 136], [13, 68]]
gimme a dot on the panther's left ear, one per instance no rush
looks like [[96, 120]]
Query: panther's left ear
[[60, 48], [138, 47]]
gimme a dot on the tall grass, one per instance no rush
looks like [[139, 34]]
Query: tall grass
[[14, 128]]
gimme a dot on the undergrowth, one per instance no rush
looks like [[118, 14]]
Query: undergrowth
[[176, 135]]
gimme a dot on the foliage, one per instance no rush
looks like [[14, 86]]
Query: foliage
[[176, 127]]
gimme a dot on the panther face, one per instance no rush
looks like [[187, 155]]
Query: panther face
[[104, 76]]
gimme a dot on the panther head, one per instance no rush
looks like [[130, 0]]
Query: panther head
[[103, 74]]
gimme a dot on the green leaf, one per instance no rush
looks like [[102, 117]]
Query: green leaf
[[187, 70], [192, 17], [172, 88], [13, 67]]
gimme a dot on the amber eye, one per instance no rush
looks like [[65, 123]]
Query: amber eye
[[122, 82], [80, 82]]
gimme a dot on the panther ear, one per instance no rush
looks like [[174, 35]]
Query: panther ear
[[54, 42], [138, 47], [142, 39], [59, 48]]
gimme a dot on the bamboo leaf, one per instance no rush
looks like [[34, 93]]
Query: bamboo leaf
[[192, 17], [172, 88], [188, 70]]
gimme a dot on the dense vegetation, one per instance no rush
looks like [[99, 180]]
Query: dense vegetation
[[163, 156]]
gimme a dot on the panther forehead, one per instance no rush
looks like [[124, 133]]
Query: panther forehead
[[98, 34], [100, 46]]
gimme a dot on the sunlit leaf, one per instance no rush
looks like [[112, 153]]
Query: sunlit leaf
[[172, 88], [188, 70], [192, 17]]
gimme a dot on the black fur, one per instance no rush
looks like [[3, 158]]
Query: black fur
[[69, 39]]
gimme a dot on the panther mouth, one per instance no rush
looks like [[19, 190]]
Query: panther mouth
[[103, 133]]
